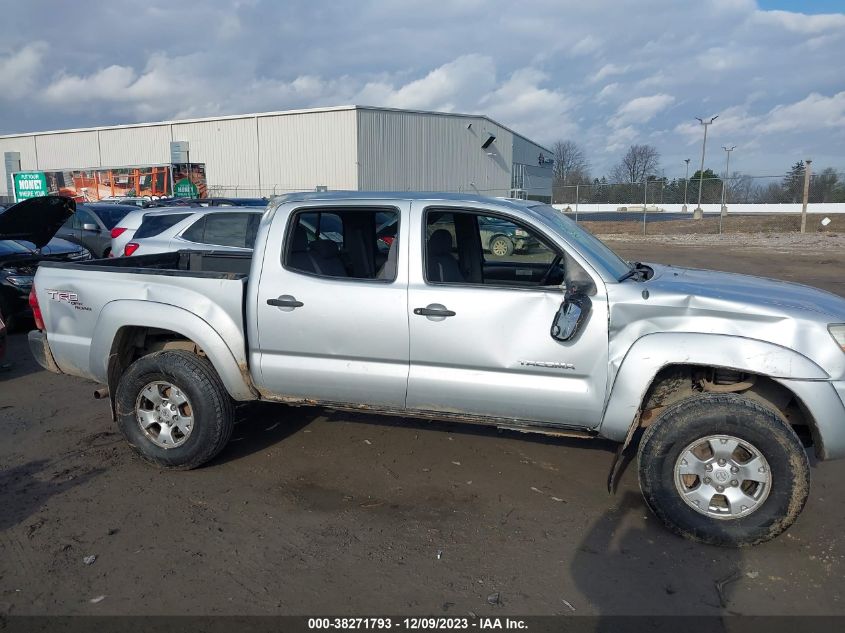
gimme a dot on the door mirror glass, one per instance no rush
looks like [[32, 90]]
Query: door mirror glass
[[88, 226], [571, 316]]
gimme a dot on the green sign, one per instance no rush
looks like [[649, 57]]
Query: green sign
[[185, 189], [30, 184]]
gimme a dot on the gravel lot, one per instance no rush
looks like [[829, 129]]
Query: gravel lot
[[309, 511]]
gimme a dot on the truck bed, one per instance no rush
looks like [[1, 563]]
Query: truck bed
[[83, 302]]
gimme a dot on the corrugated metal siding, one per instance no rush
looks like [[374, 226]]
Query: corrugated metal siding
[[229, 149], [299, 152], [134, 146], [409, 151], [77, 150], [526, 152], [26, 147]]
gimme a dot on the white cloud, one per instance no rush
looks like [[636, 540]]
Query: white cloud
[[815, 112], [641, 109], [799, 22], [108, 83], [19, 72]]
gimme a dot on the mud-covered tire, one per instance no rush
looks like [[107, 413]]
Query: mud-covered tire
[[211, 407], [705, 415]]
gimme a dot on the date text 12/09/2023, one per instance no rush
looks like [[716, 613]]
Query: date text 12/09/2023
[[416, 623]]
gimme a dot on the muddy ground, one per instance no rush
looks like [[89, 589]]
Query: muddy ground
[[309, 511]]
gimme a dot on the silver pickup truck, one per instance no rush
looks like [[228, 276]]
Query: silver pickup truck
[[722, 379]]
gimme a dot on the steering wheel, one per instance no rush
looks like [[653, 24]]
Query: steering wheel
[[544, 281]]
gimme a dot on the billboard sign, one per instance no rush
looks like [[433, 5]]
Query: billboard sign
[[189, 180], [30, 184]]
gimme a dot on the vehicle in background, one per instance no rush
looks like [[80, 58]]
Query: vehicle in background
[[26, 239], [2, 336], [230, 229], [211, 202], [91, 226], [124, 231], [134, 201], [721, 379]]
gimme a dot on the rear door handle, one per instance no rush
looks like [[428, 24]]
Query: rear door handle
[[285, 301], [434, 312]]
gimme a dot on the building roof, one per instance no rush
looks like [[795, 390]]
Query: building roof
[[270, 114]]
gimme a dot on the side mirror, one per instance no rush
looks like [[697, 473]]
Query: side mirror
[[90, 226], [571, 316]]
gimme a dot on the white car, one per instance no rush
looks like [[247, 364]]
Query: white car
[[198, 228], [125, 229]]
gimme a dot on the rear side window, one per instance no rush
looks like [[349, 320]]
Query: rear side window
[[224, 229], [153, 225], [357, 243]]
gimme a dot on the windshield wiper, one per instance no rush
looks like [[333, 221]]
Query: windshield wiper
[[636, 269]]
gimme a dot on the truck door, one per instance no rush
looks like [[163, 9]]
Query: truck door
[[480, 318], [331, 306]]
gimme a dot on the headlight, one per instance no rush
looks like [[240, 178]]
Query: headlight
[[22, 281], [520, 233], [838, 334], [80, 255]]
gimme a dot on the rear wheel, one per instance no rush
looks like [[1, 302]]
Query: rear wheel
[[723, 470], [173, 409]]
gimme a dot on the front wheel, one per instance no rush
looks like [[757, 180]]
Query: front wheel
[[724, 470], [173, 410]]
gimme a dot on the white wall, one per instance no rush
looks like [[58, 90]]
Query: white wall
[[228, 147], [301, 151], [418, 151], [131, 146], [814, 207]]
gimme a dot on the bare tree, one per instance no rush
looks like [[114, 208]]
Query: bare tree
[[571, 167], [639, 163]]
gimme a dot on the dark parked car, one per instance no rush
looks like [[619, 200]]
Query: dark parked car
[[26, 239], [2, 336], [91, 226]]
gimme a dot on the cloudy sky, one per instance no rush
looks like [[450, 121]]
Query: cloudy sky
[[605, 73]]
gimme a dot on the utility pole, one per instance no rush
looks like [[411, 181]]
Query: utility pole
[[698, 213], [806, 195], [728, 151], [686, 185]]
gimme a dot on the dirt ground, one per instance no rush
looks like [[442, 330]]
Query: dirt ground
[[311, 512], [731, 223]]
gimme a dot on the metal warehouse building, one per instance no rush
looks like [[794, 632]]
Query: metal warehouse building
[[348, 147]]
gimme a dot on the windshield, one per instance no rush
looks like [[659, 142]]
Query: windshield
[[11, 247], [589, 244], [112, 214]]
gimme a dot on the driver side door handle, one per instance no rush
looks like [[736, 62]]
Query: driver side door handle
[[435, 312], [285, 301]]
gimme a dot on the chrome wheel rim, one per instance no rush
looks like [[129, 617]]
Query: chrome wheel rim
[[723, 477], [500, 248], [164, 414]]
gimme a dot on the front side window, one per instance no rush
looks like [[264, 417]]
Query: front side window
[[82, 217], [465, 247], [356, 243]]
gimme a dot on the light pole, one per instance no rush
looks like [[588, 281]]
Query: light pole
[[686, 185], [698, 212], [728, 151]]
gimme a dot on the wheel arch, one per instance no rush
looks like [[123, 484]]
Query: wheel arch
[[661, 369], [128, 330]]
